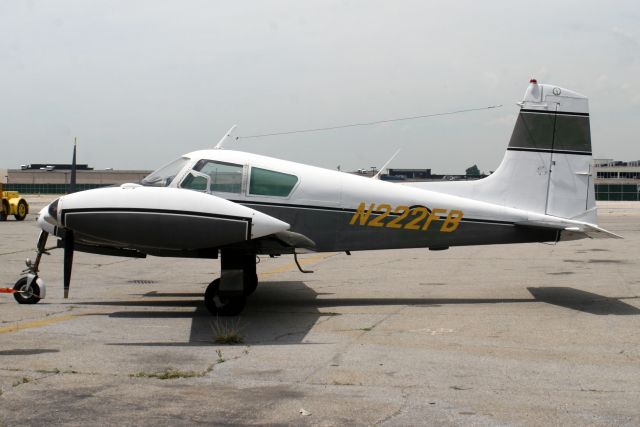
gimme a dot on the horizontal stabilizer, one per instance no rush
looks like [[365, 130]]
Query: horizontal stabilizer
[[571, 227]]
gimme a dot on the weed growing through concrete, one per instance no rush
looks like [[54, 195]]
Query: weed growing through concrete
[[21, 381], [220, 356], [172, 374], [48, 371], [227, 331]]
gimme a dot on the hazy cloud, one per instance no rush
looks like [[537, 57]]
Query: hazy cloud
[[140, 82]]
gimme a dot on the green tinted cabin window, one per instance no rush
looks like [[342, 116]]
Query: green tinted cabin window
[[270, 183], [225, 177], [194, 182]]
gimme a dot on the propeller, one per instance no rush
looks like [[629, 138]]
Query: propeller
[[68, 260], [69, 240], [72, 179]]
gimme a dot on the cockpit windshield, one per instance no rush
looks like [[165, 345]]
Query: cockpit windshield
[[163, 176]]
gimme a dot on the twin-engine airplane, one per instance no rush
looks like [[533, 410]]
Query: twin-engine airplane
[[236, 205]]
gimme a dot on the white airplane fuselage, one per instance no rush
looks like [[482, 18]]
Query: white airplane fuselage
[[237, 205], [337, 211]]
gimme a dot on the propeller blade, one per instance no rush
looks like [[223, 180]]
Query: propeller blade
[[42, 241], [72, 179], [68, 260]]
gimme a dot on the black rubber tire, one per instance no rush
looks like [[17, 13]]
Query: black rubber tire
[[251, 286], [33, 297], [5, 210], [217, 306], [21, 210]]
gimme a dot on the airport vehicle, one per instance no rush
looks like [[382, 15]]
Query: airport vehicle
[[12, 204], [237, 205]]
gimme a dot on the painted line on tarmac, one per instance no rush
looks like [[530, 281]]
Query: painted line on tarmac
[[16, 252], [37, 323]]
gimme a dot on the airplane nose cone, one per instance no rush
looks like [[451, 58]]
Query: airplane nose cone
[[48, 217], [52, 211]]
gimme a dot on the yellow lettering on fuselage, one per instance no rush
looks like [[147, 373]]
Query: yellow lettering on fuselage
[[361, 214], [451, 223], [433, 216], [403, 217]]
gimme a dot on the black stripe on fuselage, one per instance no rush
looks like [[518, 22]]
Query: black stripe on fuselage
[[547, 150], [248, 220], [349, 210], [563, 113]]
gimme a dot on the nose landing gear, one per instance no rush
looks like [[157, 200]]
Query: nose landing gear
[[30, 289], [27, 291]]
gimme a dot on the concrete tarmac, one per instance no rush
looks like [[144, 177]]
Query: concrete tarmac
[[489, 335]]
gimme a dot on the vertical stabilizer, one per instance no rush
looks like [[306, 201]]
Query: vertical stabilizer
[[551, 153], [547, 166]]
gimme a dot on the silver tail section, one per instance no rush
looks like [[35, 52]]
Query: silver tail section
[[547, 166]]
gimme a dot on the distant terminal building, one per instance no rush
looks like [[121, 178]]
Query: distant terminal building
[[54, 166], [409, 174], [426, 175], [395, 174], [616, 180], [50, 178]]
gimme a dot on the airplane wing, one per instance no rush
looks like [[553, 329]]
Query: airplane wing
[[572, 229]]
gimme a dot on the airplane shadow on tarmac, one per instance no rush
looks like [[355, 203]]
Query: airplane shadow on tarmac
[[284, 312]]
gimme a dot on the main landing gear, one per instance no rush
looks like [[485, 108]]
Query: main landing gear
[[227, 295]]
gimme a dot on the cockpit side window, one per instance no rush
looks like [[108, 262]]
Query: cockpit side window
[[224, 177], [266, 182], [194, 181], [163, 176]]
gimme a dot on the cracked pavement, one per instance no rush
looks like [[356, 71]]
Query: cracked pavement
[[503, 335]]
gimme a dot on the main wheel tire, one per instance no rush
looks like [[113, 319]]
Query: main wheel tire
[[251, 285], [222, 306], [28, 294], [21, 210], [5, 210]]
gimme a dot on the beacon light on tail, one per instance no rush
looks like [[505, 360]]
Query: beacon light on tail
[[234, 206]]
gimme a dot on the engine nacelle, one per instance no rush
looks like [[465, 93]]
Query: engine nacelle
[[160, 218]]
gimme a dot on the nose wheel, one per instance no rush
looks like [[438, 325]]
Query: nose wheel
[[25, 292]]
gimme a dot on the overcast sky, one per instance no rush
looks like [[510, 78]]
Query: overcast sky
[[142, 82]]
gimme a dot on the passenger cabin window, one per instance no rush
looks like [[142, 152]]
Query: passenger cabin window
[[225, 177], [270, 183]]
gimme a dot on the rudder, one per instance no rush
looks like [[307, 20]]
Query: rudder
[[553, 134]]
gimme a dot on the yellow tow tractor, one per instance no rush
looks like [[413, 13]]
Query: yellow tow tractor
[[12, 204]]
